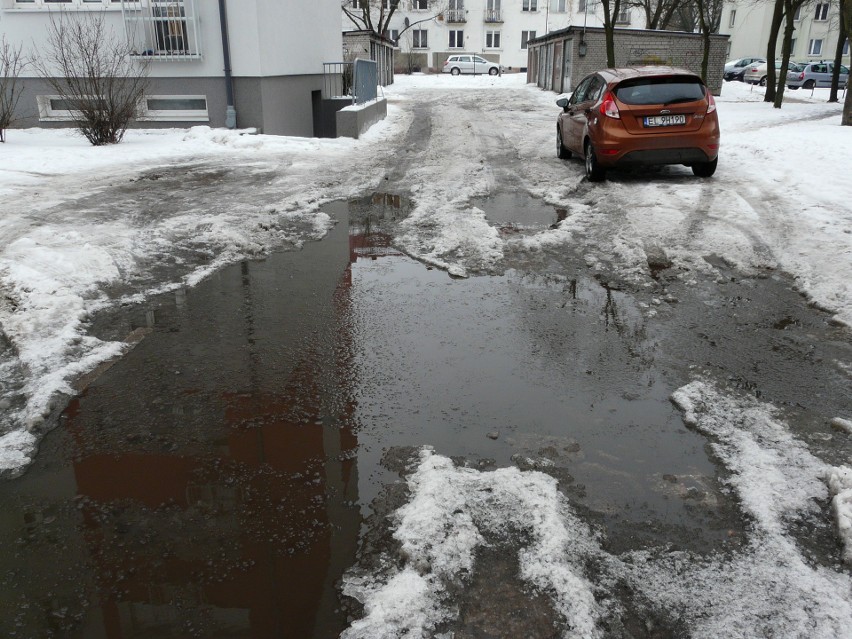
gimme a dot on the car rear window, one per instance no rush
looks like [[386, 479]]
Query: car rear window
[[662, 90]]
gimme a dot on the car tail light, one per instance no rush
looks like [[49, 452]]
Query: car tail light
[[609, 108], [711, 103], [608, 151], [802, 75]]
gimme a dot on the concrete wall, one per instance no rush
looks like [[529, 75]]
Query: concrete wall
[[353, 120]]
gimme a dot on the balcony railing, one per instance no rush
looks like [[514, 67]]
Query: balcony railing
[[163, 29], [455, 15], [493, 15]]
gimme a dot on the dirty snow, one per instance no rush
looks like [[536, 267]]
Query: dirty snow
[[768, 587], [55, 265], [453, 511]]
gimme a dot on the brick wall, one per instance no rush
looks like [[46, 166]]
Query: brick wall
[[634, 47]]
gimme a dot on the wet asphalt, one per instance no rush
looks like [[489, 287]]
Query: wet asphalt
[[219, 479]]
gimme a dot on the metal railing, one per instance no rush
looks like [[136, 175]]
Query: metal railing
[[493, 15], [356, 80], [163, 29], [455, 15]]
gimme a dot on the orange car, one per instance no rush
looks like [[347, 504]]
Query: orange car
[[639, 116]]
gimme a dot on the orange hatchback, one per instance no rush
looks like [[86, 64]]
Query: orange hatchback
[[639, 116]]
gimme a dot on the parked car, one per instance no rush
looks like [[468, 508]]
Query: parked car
[[815, 74], [734, 69], [469, 63], [639, 116], [756, 73]]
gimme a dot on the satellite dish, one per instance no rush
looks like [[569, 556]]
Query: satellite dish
[[406, 22]]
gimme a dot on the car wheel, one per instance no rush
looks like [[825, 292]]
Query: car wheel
[[810, 84], [762, 81], [792, 88], [455, 71], [561, 152], [492, 71], [705, 169], [594, 171]]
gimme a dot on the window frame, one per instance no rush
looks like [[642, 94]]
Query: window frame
[[454, 35], [526, 36], [558, 6], [733, 19], [419, 41], [54, 5], [824, 8], [144, 114], [490, 35], [529, 6], [814, 48]]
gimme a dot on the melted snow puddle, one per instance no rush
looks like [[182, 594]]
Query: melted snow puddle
[[767, 588]]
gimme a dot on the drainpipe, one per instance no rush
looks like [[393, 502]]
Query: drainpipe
[[230, 111]]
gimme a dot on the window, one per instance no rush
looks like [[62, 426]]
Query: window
[[420, 39], [526, 36], [821, 14], [174, 108], [846, 47], [419, 5], [529, 5], [90, 4], [456, 38], [623, 16], [394, 35], [583, 5], [798, 14], [56, 108], [815, 47], [492, 39], [558, 6], [793, 46], [733, 17]]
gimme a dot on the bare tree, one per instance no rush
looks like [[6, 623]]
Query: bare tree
[[611, 9], [846, 14], [375, 15], [709, 14], [838, 55], [12, 62], [791, 7], [658, 13], [771, 48], [90, 68]]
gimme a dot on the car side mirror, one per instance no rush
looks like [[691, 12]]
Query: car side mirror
[[563, 103]]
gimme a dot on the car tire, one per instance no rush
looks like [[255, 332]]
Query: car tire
[[594, 171], [493, 71], [561, 152], [455, 70], [705, 169], [792, 88], [810, 84], [762, 81]]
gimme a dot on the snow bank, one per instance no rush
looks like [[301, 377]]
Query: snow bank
[[451, 512], [840, 483]]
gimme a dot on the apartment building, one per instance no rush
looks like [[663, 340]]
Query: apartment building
[[817, 27], [497, 29], [277, 50]]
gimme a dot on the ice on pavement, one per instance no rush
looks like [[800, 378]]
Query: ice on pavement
[[767, 587]]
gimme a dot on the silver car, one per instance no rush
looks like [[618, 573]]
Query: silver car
[[815, 74], [469, 63], [734, 69]]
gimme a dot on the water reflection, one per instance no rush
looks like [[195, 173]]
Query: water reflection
[[209, 484]]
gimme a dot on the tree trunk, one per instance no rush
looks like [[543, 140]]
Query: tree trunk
[[785, 55], [774, 28], [846, 16], [838, 56]]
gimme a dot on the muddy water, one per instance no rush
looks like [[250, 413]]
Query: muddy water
[[215, 482]]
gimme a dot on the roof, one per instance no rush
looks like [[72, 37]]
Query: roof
[[575, 29]]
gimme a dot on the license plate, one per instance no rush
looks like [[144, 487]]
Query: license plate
[[665, 120]]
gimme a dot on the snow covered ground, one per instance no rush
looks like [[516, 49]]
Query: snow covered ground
[[780, 198]]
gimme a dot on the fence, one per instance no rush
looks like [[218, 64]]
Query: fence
[[357, 80]]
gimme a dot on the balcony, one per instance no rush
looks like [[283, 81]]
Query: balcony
[[163, 29], [493, 15], [455, 16]]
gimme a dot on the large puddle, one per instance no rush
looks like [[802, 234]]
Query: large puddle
[[214, 482]]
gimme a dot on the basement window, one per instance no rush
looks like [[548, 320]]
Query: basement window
[[174, 108]]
